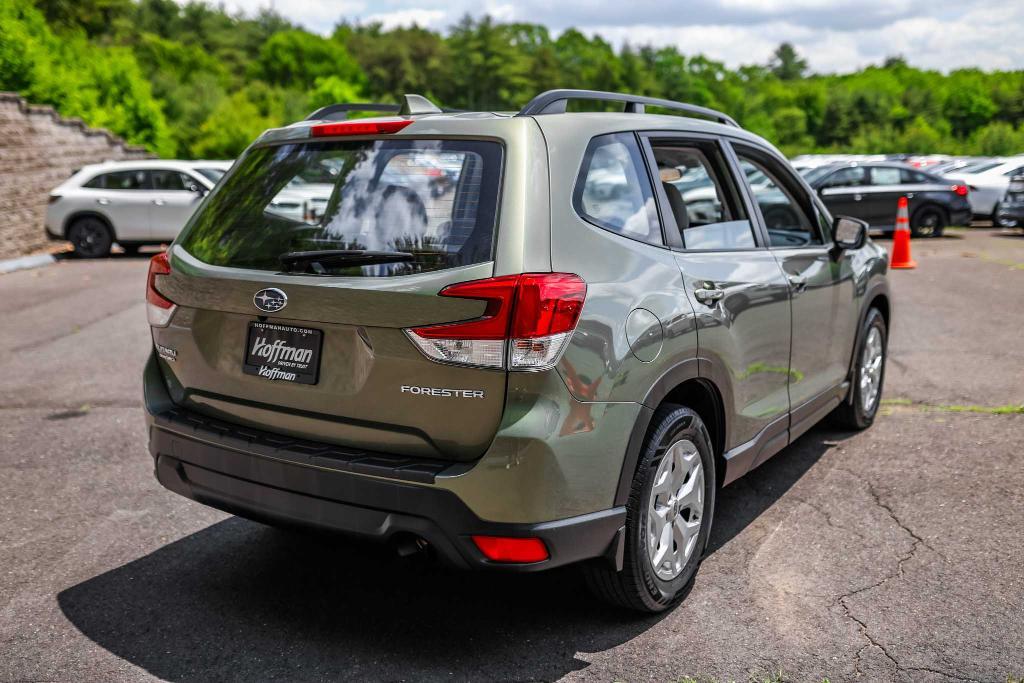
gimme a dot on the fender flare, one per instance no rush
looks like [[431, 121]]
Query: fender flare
[[690, 369]]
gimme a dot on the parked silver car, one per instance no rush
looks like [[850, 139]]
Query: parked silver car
[[129, 202]]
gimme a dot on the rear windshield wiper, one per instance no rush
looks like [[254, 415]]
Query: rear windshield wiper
[[316, 260]]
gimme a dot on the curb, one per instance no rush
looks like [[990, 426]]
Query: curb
[[25, 262]]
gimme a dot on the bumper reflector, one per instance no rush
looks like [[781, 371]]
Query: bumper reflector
[[506, 549]]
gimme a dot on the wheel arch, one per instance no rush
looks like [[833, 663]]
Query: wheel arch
[[77, 215], [683, 385], [877, 297]]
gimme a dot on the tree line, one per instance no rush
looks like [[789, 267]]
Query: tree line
[[196, 81]]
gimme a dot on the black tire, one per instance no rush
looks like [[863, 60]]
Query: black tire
[[91, 237], [637, 586], [928, 221], [852, 413]]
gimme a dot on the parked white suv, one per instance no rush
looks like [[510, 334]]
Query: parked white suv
[[129, 202]]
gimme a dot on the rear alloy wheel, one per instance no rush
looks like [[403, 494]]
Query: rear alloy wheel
[[859, 410], [929, 221], [668, 516], [91, 237]]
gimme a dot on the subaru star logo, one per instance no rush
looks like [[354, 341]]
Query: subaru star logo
[[270, 300]]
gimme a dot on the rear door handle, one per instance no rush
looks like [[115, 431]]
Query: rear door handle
[[857, 197], [158, 202], [103, 201], [798, 283], [709, 296]]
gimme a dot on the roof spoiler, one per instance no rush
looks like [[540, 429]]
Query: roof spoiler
[[412, 105]]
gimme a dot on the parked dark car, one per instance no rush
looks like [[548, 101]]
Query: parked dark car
[[871, 191], [1010, 211]]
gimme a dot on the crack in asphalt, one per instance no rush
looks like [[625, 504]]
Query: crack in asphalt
[[898, 573]]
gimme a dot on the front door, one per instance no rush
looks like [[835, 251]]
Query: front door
[[171, 203], [821, 288], [738, 292], [844, 192]]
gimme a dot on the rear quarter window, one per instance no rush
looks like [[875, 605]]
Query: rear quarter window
[[613, 190]]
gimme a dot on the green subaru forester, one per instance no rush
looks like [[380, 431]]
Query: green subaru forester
[[515, 341]]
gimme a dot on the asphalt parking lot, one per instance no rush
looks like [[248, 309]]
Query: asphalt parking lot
[[893, 554]]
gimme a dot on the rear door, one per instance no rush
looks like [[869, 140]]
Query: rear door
[[316, 348], [883, 195], [738, 292], [172, 203]]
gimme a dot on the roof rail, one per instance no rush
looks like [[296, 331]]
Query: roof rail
[[411, 106], [555, 101]]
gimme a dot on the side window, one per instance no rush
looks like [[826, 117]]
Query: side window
[[120, 180], [614, 192], [784, 215], [853, 176], [167, 181], [884, 175], [702, 200], [909, 177], [97, 183], [1016, 171]]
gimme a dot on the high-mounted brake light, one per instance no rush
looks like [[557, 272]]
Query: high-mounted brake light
[[528, 321], [159, 309], [511, 549], [359, 128], [960, 190]]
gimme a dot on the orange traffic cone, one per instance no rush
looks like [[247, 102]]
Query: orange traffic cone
[[901, 239]]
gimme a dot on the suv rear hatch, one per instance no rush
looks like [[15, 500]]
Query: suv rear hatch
[[297, 279]]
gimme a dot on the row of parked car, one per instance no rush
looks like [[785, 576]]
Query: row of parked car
[[148, 202]]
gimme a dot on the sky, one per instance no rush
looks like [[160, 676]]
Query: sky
[[833, 35]]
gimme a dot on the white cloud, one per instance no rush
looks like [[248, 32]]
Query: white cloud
[[834, 35]]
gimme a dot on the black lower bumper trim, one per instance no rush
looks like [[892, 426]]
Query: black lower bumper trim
[[263, 488]]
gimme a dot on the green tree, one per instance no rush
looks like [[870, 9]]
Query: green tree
[[297, 59], [787, 64]]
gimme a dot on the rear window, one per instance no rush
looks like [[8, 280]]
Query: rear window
[[434, 199]]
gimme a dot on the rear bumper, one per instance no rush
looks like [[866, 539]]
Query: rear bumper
[[272, 490], [267, 477]]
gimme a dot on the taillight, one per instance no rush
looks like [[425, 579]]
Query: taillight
[[359, 128], [960, 190], [527, 322], [511, 549], [158, 308]]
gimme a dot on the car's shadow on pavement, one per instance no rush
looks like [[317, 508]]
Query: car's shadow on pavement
[[241, 601]]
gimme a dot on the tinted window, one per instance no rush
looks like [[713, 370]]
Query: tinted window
[[168, 180], [614, 192], [120, 180], [213, 174], [700, 200], [909, 177], [980, 167], [853, 176], [885, 175], [435, 199], [784, 216], [1016, 171]]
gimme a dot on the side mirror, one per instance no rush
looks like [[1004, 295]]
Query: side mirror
[[197, 188], [849, 233]]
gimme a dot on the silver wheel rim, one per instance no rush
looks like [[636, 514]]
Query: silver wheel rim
[[871, 370], [675, 510]]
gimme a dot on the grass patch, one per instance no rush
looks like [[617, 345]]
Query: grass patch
[[1008, 409]]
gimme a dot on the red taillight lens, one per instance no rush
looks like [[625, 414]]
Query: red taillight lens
[[546, 304], [536, 313], [960, 190], [359, 128], [512, 550], [158, 308]]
